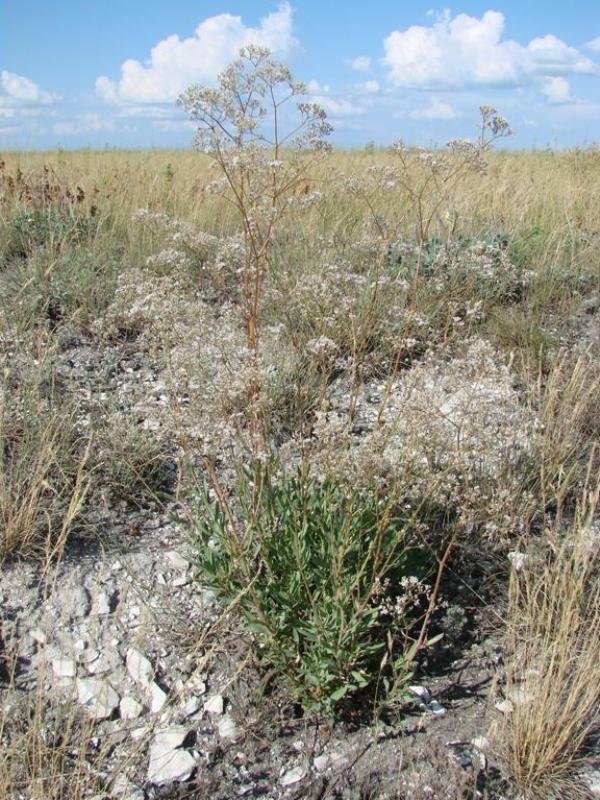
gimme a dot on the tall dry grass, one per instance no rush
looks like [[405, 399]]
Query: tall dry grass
[[549, 738], [550, 195], [44, 475]]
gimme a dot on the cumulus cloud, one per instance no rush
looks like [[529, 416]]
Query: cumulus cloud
[[174, 63], [338, 107], [557, 90], [463, 51], [437, 109], [360, 64], [594, 45], [106, 89], [16, 90]]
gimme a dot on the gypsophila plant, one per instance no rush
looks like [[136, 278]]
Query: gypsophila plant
[[429, 181], [452, 430], [242, 127], [260, 153]]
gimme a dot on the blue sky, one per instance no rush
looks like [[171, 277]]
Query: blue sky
[[79, 73]]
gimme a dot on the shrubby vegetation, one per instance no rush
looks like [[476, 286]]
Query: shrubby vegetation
[[369, 368]]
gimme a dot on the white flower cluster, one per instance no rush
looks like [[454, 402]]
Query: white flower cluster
[[215, 260], [487, 264], [322, 348], [452, 432], [395, 602], [203, 366], [343, 300], [168, 259]]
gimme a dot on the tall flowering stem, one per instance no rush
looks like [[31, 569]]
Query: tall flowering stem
[[263, 146]]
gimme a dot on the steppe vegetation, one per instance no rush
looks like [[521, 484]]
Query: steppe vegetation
[[376, 411]]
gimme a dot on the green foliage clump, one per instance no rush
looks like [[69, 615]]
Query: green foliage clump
[[329, 580], [77, 284], [32, 229]]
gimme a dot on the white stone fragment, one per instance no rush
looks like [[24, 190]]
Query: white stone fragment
[[591, 777], [481, 743], [171, 738], [168, 763], [102, 604], [504, 706], [292, 776], [176, 560], [139, 667], [436, 708], [227, 728], [321, 763], [198, 684], [518, 560], [124, 789], [130, 708], [97, 696], [157, 697], [192, 707], [421, 692], [214, 704], [64, 667], [170, 766]]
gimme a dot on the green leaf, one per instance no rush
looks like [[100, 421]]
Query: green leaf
[[339, 693]]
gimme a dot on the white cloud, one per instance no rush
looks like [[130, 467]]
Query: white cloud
[[175, 63], [594, 45], [437, 109], [360, 64], [338, 107], [465, 51], [314, 87], [11, 112], [106, 89], [549, 55], [371, 87], [17, 90], [172, 125], [557, 90], [149, 111], [84, 123]]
